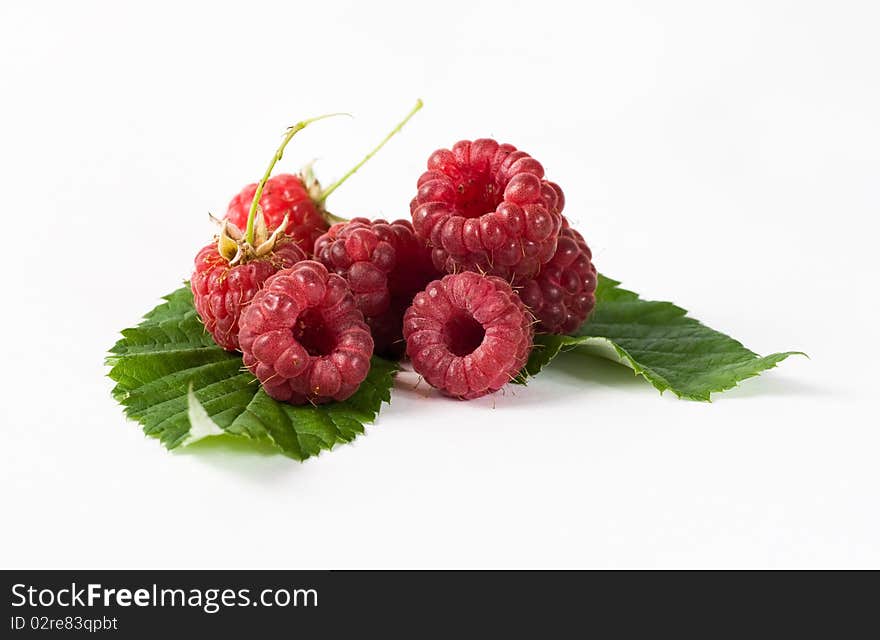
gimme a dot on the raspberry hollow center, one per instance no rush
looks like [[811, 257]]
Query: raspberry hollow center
[[462, 334], [313, 334], [476, 195]]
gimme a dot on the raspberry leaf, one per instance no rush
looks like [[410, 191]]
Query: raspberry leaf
[[172, 378], [658, 341]]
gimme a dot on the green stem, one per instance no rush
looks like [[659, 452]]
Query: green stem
[[291, 131], [326, 192]]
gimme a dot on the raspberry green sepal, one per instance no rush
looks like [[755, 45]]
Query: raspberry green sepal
[[310, 181], [332, 218], [659, 342], [313, 188], [279, 153], [232, 245], [181, 387], [316, 193], [229, 240]]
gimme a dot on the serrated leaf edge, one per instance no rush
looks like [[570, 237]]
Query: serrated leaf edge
[[606, 348], [343, 425]]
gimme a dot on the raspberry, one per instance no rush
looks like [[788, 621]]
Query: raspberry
[[564, 293], [227, 275], [385, 265], [468, 334], [284, 195], [304, 338], [484, 206]]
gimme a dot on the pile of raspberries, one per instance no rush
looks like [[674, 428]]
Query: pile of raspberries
[[486, 260]]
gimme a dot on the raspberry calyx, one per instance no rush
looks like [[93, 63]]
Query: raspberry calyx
[[229, 272], [235, 247]]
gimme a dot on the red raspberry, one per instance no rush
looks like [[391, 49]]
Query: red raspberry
[[564, 293], [468, 334], [385, 265], [485, 206], [221, 290], [304, 338], [284, 195]]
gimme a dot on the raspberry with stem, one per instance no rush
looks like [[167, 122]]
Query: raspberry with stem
[[299, 197], [291, 131], [230, 271]]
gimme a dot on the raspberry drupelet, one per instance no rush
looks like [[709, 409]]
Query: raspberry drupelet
[[484, 206], [304, 338], [563, 295], [468, 334], [284, 195], [385, 265], [229, 271]]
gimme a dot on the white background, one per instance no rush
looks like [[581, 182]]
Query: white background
[[721, 155]]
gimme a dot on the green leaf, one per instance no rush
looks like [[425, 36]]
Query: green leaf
[[181, 387], [658, 341]]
